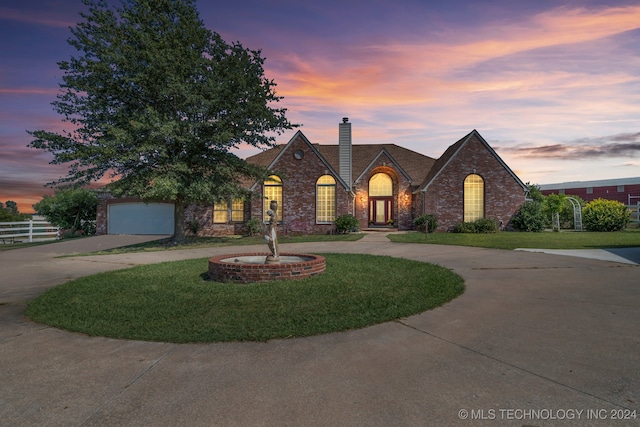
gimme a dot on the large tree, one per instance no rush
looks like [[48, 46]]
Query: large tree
[[158, 102]]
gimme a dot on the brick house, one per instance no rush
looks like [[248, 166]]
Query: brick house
[[381, 185]]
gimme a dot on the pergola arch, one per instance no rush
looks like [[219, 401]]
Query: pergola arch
[[577, 215]]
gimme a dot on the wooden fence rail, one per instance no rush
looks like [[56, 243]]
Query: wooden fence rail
[[11, 232]]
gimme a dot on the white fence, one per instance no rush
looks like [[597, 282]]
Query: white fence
[[635, 213], [27, 231]]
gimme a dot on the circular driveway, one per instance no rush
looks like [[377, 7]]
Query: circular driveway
[[536, 339]]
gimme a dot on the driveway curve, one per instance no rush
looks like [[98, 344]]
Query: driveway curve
[[536, 339]]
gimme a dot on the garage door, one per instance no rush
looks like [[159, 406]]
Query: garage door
[[140, 218]]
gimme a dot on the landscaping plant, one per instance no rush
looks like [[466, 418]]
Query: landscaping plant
[[346, 223], [426, 223], [605, 215]]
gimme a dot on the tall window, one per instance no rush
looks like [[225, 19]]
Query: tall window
[[272, 191], [222, 213], [473, 198], [380, 185], [325, 199], [237, 210]]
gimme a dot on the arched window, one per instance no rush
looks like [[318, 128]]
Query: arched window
[[380, 185], [272, 191], [325, 199], [473, 198]]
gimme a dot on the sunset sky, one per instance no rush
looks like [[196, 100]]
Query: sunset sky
[[552, 85]]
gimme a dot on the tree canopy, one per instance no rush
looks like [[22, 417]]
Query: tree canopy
[[9, 212], [157, 102], [73, 209]]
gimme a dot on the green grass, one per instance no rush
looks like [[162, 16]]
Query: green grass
[[172, 302], [512, 240], [207, 242]]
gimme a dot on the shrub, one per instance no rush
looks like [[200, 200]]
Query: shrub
[[426, 223], [605, 215], [70, 233], [346, 223], [254, 226], [478, 226], [464, 227], [194, 226], [486, 226], [72, 209], [530, 217]]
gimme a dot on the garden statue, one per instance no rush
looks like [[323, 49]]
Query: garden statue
[[271, 236]]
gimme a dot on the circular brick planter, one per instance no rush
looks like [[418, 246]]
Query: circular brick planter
[[227, 268]]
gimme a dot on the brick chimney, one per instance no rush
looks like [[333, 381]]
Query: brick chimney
[[344, 150]]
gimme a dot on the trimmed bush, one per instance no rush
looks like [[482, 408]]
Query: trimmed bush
[[346, 223], [478, 226], [464, 227], [605, 215], [254, 226], [486, 226], [530, 217], [426, 223]]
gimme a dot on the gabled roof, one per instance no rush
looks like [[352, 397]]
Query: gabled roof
[[414, 166], [269, 157], [451, 152], [375, 160]]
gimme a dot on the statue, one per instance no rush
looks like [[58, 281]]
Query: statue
[[271, 236]]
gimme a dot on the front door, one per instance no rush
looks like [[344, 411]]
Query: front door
[[381, 210]]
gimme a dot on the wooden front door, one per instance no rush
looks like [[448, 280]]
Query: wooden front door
[[381, 210]]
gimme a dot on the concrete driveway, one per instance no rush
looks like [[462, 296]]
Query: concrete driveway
[[536, 340]]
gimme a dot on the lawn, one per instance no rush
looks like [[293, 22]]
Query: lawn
[[172, 302], [513, 240], [206, 242]]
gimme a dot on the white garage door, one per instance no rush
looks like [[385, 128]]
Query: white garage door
[[140, 218]]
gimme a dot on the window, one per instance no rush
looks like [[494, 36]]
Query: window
[[272, 191], [380, 185], [620, 188], [473, 198], [589, 190], [237, 210], [325, 199], [221, 211]]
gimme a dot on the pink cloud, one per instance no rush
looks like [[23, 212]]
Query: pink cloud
[[41, 17], [29, 91], [398, 73]]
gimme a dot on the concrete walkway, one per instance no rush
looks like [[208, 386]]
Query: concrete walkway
[[536, 339]]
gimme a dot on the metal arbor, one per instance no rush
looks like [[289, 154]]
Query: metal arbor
[[577, 215]]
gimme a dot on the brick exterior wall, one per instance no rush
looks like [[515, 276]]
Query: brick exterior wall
[[204, 215], [402, 194], [444, 196], [503, 194], [201, 213], [299, 176], [104, 200]]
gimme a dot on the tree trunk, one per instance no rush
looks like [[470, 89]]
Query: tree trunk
[[179, 235]]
